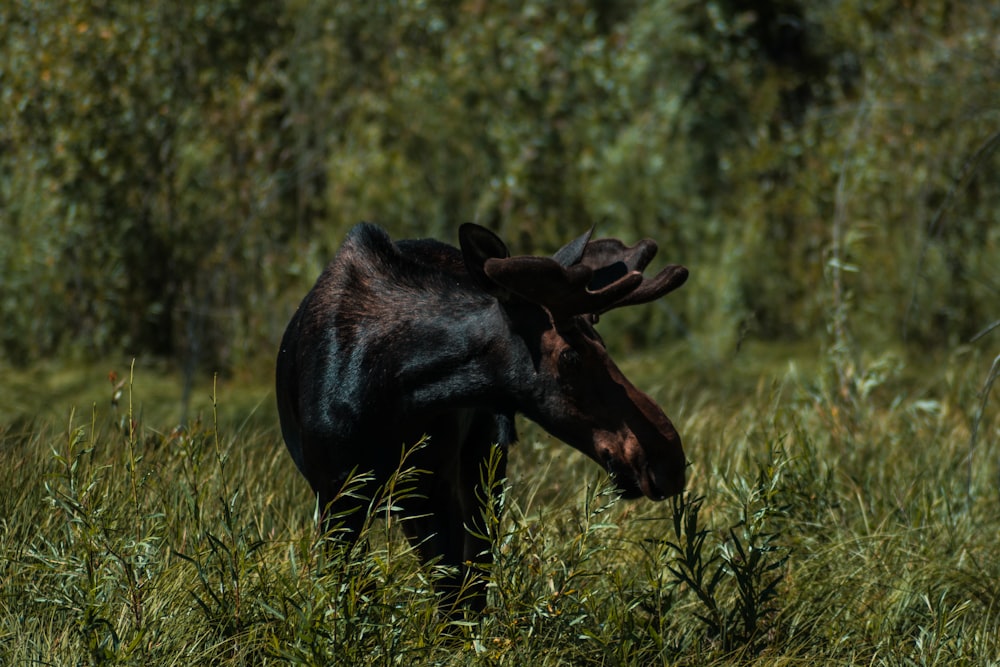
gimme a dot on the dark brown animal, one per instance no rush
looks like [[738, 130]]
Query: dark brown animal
[[401, 340]]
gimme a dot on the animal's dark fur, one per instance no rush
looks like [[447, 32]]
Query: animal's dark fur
[[399, 340]]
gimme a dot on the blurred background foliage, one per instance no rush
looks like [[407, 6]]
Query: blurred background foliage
[[173, 176]]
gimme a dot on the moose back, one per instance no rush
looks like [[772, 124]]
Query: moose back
[[398, 340]]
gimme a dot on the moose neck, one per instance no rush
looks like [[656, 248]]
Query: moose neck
[[456, 357]]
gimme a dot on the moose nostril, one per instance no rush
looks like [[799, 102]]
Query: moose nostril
[[666, 484]]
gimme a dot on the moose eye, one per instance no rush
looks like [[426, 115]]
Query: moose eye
[[569, 359]]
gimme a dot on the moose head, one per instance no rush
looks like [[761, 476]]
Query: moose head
[[576, 392], [415, 338]]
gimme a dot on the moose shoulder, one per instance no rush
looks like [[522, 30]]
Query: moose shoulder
[[400, 340]]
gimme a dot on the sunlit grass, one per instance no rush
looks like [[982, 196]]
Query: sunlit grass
[[824, 522]]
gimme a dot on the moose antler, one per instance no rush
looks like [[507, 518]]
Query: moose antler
[[610, 259], [584, 277], [563, 291]]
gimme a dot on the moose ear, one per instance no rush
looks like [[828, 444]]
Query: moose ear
[[478, 245], [572, 252]]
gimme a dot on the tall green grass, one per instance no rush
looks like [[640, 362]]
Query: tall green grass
[[831, 517]]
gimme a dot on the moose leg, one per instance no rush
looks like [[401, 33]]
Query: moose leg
[[342, 518], [339, 490], [479, 496], [434, 524], [448, 522]]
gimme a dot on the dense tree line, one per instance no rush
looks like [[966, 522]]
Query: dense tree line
[[174, 175]]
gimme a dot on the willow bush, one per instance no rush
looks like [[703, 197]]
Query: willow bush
[[172, 178]]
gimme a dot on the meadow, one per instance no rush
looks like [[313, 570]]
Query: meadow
[[837, 512], [173, 176]]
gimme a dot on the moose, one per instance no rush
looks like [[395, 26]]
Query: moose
[[412, 340]]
